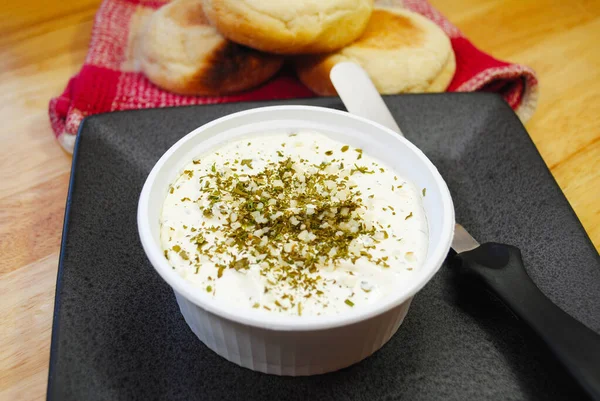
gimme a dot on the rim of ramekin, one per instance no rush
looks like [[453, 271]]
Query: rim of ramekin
[[282, 322]]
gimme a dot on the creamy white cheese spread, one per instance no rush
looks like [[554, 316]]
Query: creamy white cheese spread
[[299, 224]]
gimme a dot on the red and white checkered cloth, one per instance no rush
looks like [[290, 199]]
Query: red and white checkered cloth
[[110, 79]]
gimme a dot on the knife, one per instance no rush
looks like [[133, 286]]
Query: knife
[[498, 266]]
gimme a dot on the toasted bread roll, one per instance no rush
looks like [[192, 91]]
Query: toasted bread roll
[[401, 51], [290, 26], [180, 52]]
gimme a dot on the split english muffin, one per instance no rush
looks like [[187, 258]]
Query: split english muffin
[[290, 26], [180, 52], [401, 51]]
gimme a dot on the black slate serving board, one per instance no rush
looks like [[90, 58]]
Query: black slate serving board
[[118, 334]]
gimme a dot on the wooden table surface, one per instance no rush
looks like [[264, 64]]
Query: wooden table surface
[[43, 43]]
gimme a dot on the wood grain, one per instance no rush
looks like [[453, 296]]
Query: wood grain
[[42, 44]]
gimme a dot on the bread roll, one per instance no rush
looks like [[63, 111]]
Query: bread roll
[[401, 51], [180, 52], [290, 26]]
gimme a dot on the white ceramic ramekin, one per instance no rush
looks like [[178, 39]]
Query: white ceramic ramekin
[[291, 345]]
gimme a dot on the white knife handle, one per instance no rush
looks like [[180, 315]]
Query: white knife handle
[[360, 96]]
